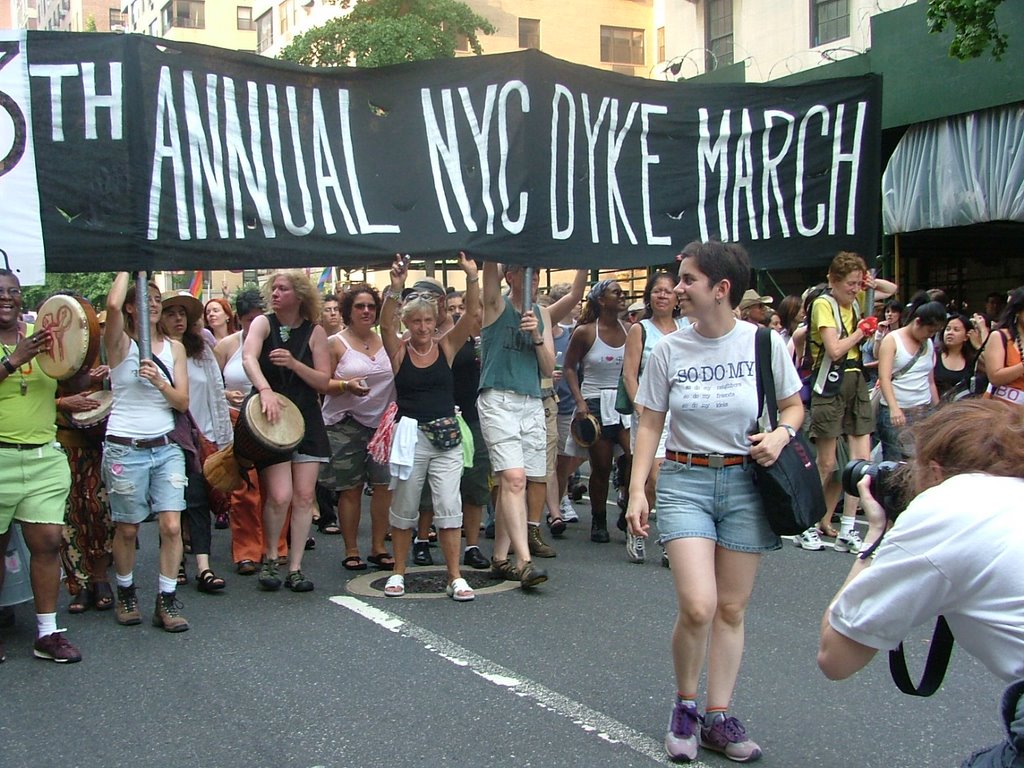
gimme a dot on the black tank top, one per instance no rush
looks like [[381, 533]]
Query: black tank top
[[466, 373], [290, 384], [425, 394]]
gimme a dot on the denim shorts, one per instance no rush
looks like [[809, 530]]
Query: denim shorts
[[140, 480], [718, 504]]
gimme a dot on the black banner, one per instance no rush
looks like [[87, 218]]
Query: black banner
[[151, 153]]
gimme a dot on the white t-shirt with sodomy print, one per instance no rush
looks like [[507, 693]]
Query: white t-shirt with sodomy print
[[709, 387]]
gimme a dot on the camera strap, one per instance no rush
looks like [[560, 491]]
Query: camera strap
[[934, 666]]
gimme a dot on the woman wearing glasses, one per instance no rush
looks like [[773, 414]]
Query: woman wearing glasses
[[426, 407], [361, 388], [599, 343]]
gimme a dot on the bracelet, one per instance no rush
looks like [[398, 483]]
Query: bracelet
[[344, 385], [473, 279], [539, 343], [8, 365]]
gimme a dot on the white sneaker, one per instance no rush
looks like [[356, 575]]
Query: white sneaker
[[810, 540], [848, 542], [635, 550], [568, 511]]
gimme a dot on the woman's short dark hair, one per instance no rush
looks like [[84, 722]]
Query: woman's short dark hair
[[722, 261], [248, 300], [649, 288], [349, 298]]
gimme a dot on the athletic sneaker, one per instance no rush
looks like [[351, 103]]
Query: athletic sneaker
[[681, 739], [810, 539], [848, 542], [569, 511], [635, 551], [727, 735]]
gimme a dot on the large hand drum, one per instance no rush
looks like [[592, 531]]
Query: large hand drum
[[257, 441], [104, 400], [76, 336]]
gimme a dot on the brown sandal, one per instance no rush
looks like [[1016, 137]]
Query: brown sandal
[[81, 602], [103, 596]]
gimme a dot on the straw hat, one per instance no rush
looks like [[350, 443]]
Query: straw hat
[[193, 308]]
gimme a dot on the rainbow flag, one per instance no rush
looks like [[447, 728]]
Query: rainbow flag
[[326, 276], [196, 286]]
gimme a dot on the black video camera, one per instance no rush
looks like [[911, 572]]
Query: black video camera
[[885, 485]]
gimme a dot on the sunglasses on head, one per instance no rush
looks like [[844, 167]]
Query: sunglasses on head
[[425, 295]]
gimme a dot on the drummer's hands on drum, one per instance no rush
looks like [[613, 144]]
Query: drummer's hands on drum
[[235, 397], [270, 405], [75, 403]]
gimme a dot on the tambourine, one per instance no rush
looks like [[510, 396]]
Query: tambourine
[[585, 430], [75, 331]]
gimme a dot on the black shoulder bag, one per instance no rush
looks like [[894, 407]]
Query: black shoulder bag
[[790, 488]]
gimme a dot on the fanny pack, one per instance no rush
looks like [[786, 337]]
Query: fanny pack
[[443, 433]]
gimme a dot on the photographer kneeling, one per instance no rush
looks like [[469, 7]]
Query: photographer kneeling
[[946, 554]]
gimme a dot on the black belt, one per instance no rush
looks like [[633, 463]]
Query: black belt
[[134, 442], [713, 460], [22, 446]]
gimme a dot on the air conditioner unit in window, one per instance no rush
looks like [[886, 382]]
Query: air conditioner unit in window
[[117, 28]]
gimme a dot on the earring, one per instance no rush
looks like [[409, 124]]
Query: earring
[[718, 300]]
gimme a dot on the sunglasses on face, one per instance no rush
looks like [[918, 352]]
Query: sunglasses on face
[[364, 306]]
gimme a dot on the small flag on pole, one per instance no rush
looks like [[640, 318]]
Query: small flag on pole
[[196, 287], [325, 277]]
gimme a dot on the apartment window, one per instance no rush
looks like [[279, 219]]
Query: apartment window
[[661, 44], [264, 32], [154, 29], [243, 17], [190, 14], [284, 12], [830, 20], [719, 34], [529, 33], [166, 18], [620, 45]]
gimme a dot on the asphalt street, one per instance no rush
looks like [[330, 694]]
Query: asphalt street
[[575, 673]]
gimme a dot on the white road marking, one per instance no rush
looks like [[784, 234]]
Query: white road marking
[[588, 720]]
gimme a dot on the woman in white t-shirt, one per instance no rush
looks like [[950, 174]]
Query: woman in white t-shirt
[[906, 365], [710, 516]]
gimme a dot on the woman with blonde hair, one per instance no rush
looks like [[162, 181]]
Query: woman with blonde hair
[[285, 352]]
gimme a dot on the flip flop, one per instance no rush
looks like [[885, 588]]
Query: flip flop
[[353, 563], [384, 561]]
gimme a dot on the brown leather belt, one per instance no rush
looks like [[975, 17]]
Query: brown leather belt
[[713, 460], [134, 442], [22, 446]]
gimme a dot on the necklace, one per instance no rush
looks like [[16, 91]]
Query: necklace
[[366, 344], [22, 373], [422, 354]]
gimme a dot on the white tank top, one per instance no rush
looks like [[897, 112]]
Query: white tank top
[[911, 388], [139, 410], [235, 377], [602, 366]]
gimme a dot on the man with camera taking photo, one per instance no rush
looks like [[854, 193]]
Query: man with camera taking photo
[[955, 551]]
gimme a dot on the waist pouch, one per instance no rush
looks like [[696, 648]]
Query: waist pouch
[[443, 433]]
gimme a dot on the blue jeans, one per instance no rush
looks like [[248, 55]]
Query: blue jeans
[[718, 504], [142, 479]]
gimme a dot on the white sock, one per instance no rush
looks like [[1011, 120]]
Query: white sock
[[124, 581], [46, 624], [535, 525], [846, 525], [168, 584]]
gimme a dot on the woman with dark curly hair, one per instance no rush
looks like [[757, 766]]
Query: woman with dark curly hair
[[362, 386]]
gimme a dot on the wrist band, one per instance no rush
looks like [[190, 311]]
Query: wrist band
[[473, 279], [8, 365], [539, 343]]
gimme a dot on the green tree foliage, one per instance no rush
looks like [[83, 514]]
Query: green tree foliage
[[92, 285], [974, 26], [380, 32]]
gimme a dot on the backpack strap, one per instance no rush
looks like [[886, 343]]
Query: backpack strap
[[764, 376]]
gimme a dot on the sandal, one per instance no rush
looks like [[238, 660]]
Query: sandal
[[103, 596], [556, 525], [208, 581], [395, 586], [384, 561], [182, 573], [353, 563], [81, 602], [331, 529], [460, 591]]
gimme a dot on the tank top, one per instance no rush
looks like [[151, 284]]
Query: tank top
[[235, 377], [509, 360], [946, 378], [602, 366], [466, 375], [376, 370], [654, 335], [911, 388], [290, 384], [425, 394], [139, 410]]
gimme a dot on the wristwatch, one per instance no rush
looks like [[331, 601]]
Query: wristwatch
[[789, 429]]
